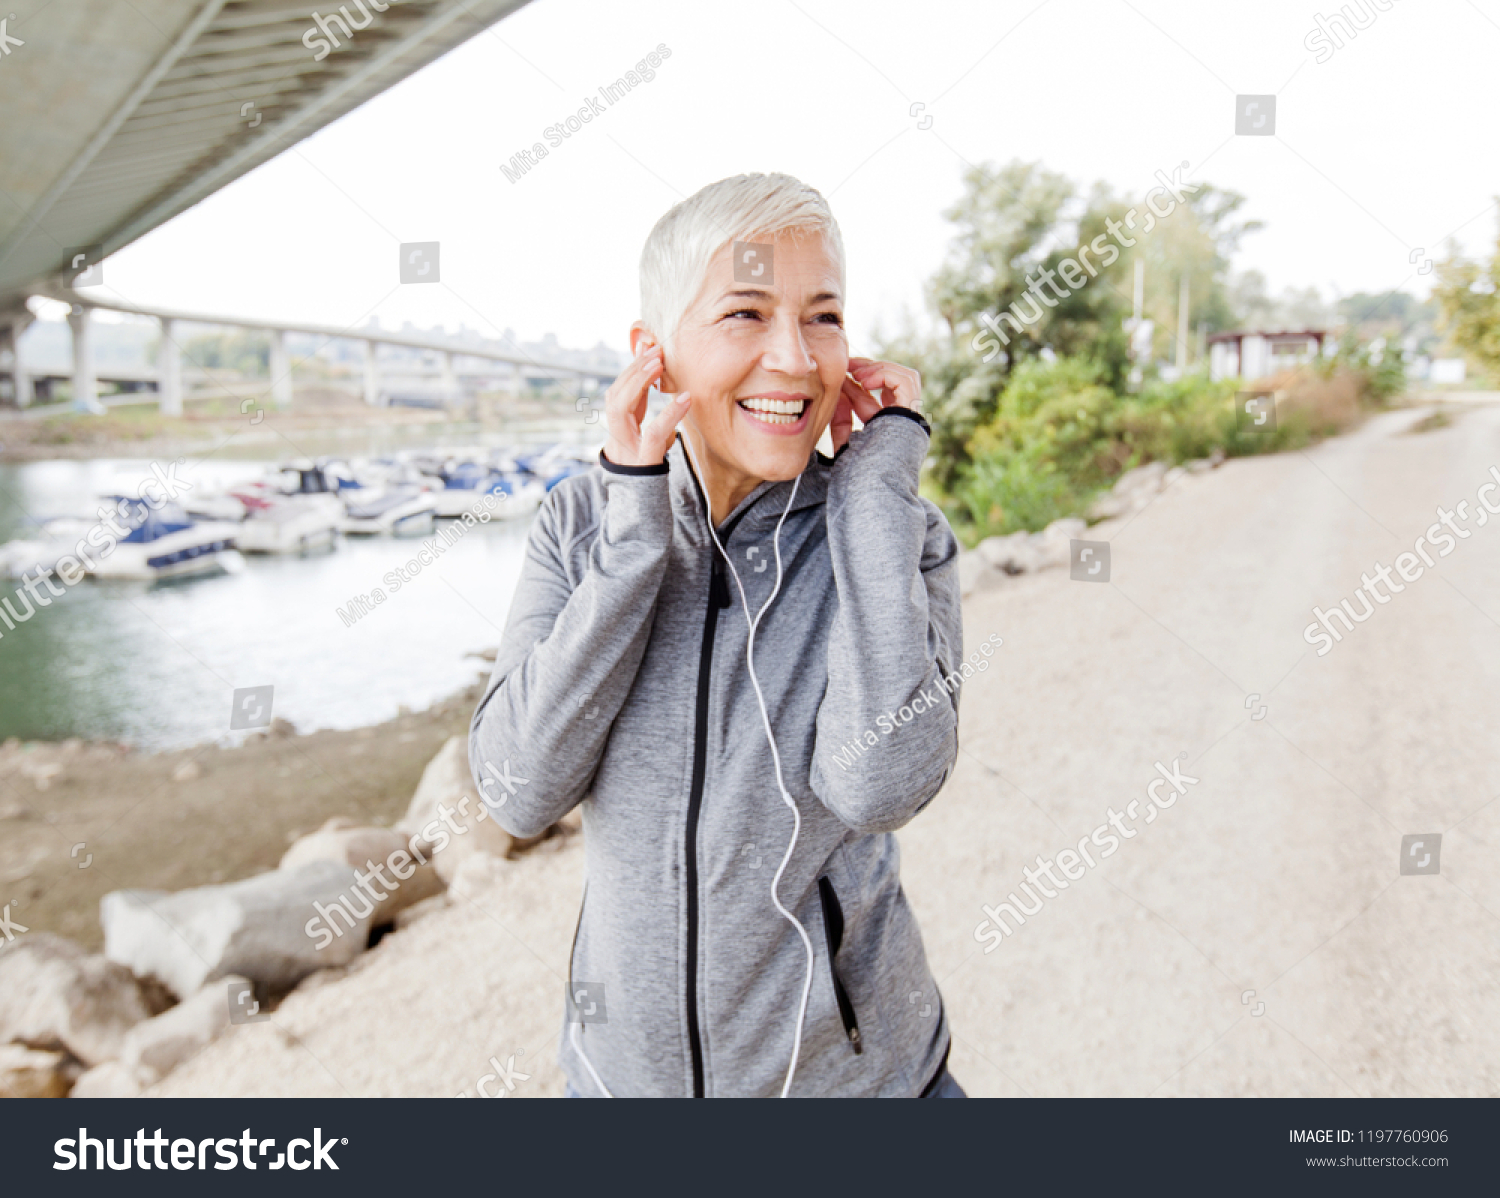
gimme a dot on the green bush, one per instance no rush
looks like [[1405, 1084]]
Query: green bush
[[1059, 436]]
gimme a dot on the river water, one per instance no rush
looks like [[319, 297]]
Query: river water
[[156, 665]]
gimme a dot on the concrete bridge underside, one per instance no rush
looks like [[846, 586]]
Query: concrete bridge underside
[[119, 117]]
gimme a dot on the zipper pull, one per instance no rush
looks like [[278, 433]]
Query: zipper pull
[[854, 1040]]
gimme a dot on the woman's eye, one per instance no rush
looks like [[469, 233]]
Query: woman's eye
[[832, 318], [742, 312]]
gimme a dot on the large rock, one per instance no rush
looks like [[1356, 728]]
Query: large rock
[[971, 571], [54, 996], [1013, 554], [1137, 486], [360, 847], [1109, 505], [1053, 544], [271, 928], [447, 781], [109, 1080], [33, 1073], [155, 1047]]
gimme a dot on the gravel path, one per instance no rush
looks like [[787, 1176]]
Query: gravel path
[[1276, 872]]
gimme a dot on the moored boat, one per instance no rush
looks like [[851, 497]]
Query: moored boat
[[165, 542]]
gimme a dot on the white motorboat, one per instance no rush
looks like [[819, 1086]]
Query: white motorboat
[[470, 486], [276, 523], [401, 511], [369, 509], [549, 467], [165, 542], [214, 507], [524, 494]]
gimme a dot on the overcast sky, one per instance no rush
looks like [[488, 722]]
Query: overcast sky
[[1385, 149]]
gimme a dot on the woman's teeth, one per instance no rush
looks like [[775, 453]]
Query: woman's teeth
[[775, 411]]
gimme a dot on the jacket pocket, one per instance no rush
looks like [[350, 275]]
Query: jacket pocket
[[833, 929]]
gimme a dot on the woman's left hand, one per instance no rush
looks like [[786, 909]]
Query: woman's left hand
[[899, 387]]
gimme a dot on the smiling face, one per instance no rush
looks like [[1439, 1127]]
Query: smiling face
[[764, 365]]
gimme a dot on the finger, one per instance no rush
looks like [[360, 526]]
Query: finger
[[842, 423], [865, 405], [624, 429], [632, 382], [656, 436], [638, 366], [655, 370], [898, 385], [870, 376], [625, 402]]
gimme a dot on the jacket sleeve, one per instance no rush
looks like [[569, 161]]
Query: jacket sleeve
[[897, 635], [569, 654]]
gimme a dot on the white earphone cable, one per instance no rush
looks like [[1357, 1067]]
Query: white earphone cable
[[775, 755], [780, 785], [588, 1064]]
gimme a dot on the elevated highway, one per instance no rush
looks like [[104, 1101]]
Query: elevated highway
[[118, 117]]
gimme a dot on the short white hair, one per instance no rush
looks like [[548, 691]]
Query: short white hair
[[678, 252]]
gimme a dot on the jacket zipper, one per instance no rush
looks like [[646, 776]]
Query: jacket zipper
[[718, 597], [833, 929]]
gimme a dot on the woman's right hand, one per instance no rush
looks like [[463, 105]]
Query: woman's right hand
[[632, 440]]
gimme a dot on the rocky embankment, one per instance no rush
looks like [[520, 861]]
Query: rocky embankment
[[180, 970], [997, 558]]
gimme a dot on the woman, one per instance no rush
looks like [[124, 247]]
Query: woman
[[743, 929]]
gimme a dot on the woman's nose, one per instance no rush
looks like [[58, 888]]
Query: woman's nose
[[787, 352]]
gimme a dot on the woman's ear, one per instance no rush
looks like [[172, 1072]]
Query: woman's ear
[[642, 339]]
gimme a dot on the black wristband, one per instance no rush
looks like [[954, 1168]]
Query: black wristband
[[907, 412], [662, 468]]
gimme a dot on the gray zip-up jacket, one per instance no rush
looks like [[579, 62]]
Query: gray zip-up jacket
[[621, 684]]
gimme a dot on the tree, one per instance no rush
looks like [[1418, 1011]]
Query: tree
[[1017, 225], [1468, 294], [1197, 240]]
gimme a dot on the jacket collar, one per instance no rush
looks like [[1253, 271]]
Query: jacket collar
[[764, 504]]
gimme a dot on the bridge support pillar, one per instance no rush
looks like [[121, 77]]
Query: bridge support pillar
[[372, 375], [10, 338], [85, 381], [281, 370], [451, 394], [169, 369]]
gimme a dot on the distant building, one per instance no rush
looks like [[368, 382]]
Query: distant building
[[1258, 355]]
